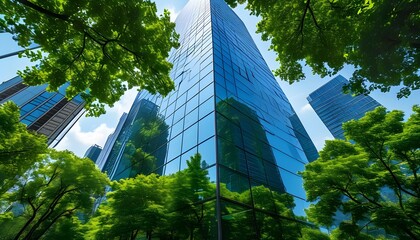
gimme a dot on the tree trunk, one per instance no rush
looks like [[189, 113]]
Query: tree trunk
[[35, 211], [65, 213], [192, 233]]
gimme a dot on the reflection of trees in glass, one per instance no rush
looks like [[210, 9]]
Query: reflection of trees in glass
[[183, 206], [148, 133], [274, 218], [243, 146], [191, 213], [141, 144]]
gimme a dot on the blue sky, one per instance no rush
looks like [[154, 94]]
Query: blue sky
[[89, 131]]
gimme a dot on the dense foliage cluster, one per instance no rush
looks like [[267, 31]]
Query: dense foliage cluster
[[102, 48], [369, 184], [379, 38]]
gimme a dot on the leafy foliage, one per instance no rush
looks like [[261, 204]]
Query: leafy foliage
[[374, 181], [135, 205], [53, 191], [19, 148], [52, 198], [102, 48], [379, 38], [182, 206]]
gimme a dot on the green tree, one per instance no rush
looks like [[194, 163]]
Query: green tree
[[53, 191], [99, 226], [67, 229], [379, 38], [19, 148], [102, 48], [168, 207], [372, 177], [136, 205], [313, 234]]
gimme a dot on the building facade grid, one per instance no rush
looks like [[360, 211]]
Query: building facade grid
[[228, 107], [335, 107]]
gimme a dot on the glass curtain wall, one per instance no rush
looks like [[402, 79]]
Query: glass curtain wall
[[335, 107], [229, 108]]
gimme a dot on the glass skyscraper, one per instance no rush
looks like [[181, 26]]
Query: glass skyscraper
[[93, 152], [228, 107], [47, 113], [335, 107]]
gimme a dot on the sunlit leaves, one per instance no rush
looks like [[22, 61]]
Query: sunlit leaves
[[19, 148], [54, 190], [372, 177], [380, 39], [101, 47]]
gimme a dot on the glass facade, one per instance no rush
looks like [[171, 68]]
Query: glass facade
[[93, 152], [48, 113], [228, 107], [334, 107]]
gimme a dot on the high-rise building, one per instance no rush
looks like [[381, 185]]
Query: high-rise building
[[228, 107], [131, 149], [47, 113], [93, 152], [335, 107]]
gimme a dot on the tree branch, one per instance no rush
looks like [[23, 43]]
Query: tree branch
[[67, 212], [379, 157], [44, 11], [34, 213]]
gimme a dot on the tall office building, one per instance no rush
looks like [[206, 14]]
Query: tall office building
[[228, 107], [93, 152], [334, 107], [47, 113]]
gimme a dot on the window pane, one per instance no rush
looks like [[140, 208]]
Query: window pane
[[174, 148], [190, 118], [172, 167], [206, 127], [293, 183], [190, 137], [207, 150], [206, 107], [187, 157]]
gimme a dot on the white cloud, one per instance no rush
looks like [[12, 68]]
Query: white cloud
[[79, 141], [306, 108]]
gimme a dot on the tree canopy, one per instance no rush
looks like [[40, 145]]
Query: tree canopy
[[370, 180], [19, 148], [53, 190], [41, 189], [379, 38], [102, 48]]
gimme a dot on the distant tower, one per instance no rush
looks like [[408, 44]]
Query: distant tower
[[334, 107], [47, 113], [93, 152]]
